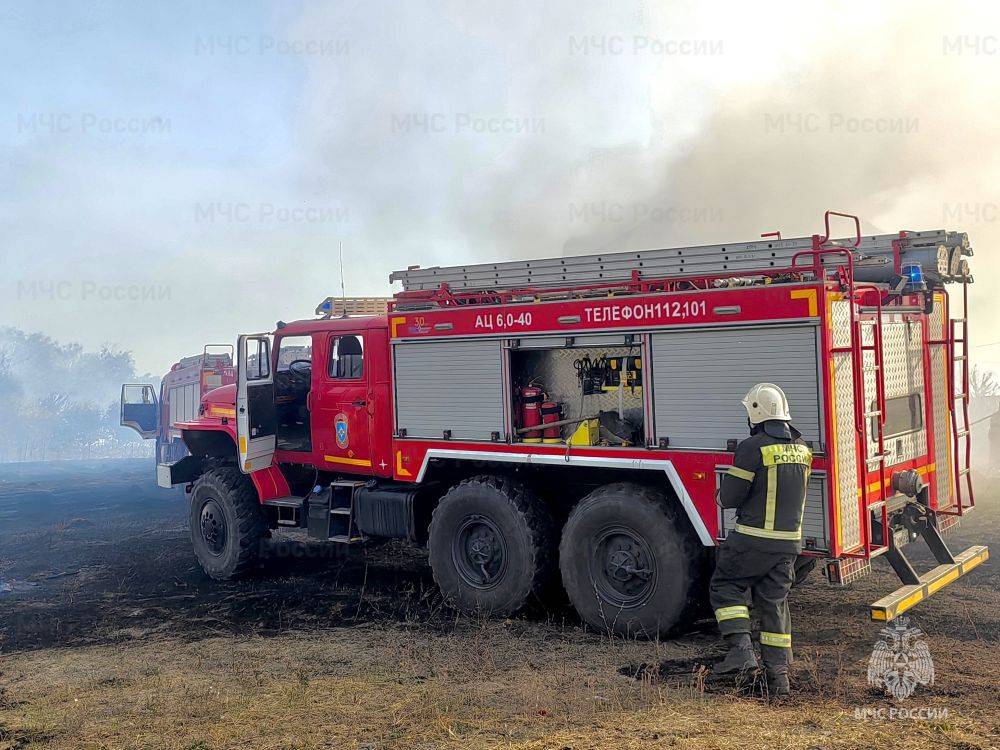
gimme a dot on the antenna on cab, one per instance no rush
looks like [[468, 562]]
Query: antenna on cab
[[343, 288]]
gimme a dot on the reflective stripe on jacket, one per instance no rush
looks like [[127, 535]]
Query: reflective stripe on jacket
[[767, 485]]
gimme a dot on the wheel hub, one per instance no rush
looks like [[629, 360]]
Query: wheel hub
[[480, 552], [622, 567], [482, 548], [213, 527]]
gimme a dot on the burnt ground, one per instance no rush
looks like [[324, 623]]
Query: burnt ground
[[97, 581], [92, 552]]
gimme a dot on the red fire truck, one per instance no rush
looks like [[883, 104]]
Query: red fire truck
[[567, 420], [180, 394]]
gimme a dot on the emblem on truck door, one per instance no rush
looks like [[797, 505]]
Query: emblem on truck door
[[340, 430]]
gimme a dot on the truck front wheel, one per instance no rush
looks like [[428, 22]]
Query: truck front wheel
[[491, 545], [226, 522], [628, 563]]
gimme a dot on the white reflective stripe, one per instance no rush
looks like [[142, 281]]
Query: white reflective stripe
[[736, 471], [732, 613], [769, 533], [780, 640], [561, 459]]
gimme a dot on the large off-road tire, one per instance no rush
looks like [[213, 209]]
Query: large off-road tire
[[629, 563], [491, 545], [226, 522]]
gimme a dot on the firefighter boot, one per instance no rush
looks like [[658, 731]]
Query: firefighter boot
[[776, 670], [740, 656], [777, 683]]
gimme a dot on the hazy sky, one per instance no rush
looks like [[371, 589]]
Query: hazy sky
[[176, 173]]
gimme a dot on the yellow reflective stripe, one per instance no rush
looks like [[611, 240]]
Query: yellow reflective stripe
[[772, 496], [769, 533], [781, 640], [348, 461], [943, 580], [786, 453], [810, 296], [732, 613], [735, 471]]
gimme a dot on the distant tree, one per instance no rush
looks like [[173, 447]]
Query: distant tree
[[982, 383], [59, 401], [10, 400]]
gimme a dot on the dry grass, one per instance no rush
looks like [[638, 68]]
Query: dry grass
[[486, 685]]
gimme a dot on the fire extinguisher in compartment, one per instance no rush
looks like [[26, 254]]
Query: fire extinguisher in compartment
[[531, 401], [551, 412]]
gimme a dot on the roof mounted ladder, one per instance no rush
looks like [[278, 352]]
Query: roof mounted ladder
[[740, 258]]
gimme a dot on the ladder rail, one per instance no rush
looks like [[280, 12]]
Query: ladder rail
[[877, 350], [961, 432], [862, 414], [863, 417], [879, 344]]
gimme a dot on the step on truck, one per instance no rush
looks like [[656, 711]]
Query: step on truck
[[566, 421]]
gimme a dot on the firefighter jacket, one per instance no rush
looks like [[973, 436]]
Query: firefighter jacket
[[767, 486]]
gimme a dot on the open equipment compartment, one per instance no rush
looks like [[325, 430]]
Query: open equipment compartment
[[590, 387]]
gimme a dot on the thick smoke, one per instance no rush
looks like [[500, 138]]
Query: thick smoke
[[653, 126], [453, 132]]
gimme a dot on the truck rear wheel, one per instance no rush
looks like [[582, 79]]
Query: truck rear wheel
[[226, 522], [628, 564], [491, 545]]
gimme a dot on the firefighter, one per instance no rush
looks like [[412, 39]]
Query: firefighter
[[767, 486]]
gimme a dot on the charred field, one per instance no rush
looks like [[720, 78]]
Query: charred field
[[112, 637]]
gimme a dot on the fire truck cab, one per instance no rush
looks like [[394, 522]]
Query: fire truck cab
[[569, 419], [324, 403]]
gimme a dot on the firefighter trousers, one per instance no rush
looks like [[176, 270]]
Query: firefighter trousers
[[744, 567]]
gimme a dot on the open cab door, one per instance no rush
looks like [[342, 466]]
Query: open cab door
[[139, 409], [256, 416]]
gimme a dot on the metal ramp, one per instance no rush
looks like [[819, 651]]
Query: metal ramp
[[939, 252]]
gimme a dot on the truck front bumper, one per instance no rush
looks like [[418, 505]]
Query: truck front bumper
[[184, 471]]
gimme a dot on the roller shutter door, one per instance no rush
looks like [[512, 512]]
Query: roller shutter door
[[449, 385], [700, 377]]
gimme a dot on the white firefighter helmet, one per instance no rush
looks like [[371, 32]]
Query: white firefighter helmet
[[766, 401]]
